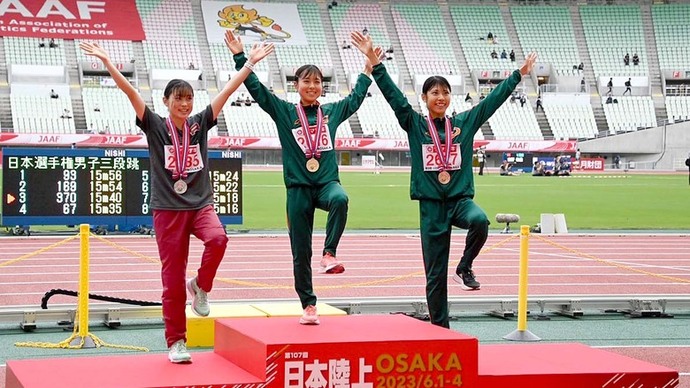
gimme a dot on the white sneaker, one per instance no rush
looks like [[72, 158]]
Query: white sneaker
[[178, 353], [199, 299], [310, 317]]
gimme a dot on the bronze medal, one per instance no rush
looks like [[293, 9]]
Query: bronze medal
[[443, 177], [312, 165], [180, 187]]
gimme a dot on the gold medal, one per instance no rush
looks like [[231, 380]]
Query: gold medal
[[180, 187], [312, 165], [443, 177]]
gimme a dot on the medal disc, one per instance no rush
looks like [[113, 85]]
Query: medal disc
[[312, 165], [443, 177], [180, 187]]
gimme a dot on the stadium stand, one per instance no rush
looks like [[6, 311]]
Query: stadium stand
[[347, 18], [549, 32], [611, 33], [425, 43], [173, 42], [473, 24]]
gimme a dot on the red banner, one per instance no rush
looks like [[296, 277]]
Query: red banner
[[71, 19]]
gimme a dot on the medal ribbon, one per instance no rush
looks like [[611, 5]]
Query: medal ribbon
[[445, 156], [312, 144], [180, 160]]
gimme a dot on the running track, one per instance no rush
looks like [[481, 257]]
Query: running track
[[260, 267], [385, 265]]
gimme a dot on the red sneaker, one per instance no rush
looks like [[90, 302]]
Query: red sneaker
[[329, 264]]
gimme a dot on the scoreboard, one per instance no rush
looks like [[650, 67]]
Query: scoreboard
[[60, 186]]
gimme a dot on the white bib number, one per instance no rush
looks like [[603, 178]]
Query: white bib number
[[323, 144], [432, 160], [194, 161]]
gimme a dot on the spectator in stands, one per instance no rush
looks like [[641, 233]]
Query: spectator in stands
[[514, 96], [389, 51], [504, 54], [96, 107], [66, 114], [490, 37], [365, 31], [481, 96], [583, 86], [52, 43], [581, 67], [248, 101], [512, 55], [92, 129], [346, 45], [610, 85], [468, 98], [191, 66], [636, 59], [53, 94], [609, 99], [617, 162], [310, 167], [626, 59], [445, 192], [628, 84], [181, 197], [538, 104], [523, 100], [42, 42], [494, 54]]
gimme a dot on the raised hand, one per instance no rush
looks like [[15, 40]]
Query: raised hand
[[368, 66], [94, 49], [529, 63], [362, 42], [233, 42], [259, 51]]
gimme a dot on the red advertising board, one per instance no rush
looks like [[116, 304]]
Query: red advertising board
[[71, 19]]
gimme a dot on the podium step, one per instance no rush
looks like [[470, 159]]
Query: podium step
[[569, 365], [200, 330], [209, 370], [379, 350]]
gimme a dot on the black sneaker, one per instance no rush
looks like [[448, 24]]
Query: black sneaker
[[467, 280]]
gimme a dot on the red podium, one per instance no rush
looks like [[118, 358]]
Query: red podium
[[359, 351], [356, 350]]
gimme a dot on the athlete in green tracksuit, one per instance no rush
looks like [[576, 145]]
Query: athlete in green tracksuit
[[441, 178], [310, 168]]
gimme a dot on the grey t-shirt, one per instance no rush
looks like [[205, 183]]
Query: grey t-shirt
[[199, 193]]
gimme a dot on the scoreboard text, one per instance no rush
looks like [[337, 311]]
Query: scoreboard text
[[45, 186]]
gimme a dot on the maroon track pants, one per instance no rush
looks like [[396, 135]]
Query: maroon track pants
[[173, 229]]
